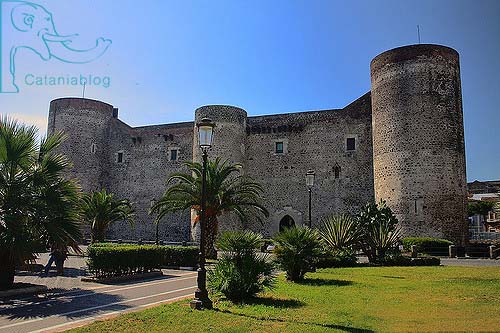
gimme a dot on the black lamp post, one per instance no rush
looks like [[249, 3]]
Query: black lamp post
[[310, 183], [205, 135], [157, 238]]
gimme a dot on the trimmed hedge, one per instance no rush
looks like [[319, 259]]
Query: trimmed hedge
[[105, 259], [328, 261], [428, 245]]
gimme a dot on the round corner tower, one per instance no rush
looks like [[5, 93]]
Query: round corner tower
[[228, 144], [418, 139], [85, 123], [229, 132]]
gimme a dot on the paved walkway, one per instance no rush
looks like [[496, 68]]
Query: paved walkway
[[75, 267], [470, 262], [70, 302]]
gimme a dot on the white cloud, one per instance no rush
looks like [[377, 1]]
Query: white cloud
[[39, 121]]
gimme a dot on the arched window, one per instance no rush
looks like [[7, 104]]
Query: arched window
[[336, 171], [286, 223]]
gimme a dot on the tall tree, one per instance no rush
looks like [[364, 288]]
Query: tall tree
[[227, 190], [37, 205], [101, 209], [480, 208]]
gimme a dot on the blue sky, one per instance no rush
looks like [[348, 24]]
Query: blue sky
[[169, 57]]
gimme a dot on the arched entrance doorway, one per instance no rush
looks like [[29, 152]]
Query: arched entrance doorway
[[286, 223]]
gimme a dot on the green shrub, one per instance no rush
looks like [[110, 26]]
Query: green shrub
[[241, 272], [106, 259], [339, 233], [297, 251], [428, 245]]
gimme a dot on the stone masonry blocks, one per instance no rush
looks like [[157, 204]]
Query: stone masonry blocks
[[418, 139]]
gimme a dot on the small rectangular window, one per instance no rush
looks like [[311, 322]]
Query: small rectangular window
[[279, 148], [120, 158], [351, 144], [173, 155]]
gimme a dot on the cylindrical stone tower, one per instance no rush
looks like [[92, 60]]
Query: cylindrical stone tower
[[229, 133], [85, 122], [418, 139], [228, 144]]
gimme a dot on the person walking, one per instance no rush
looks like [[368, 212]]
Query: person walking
[[52, 259], [57, 255]]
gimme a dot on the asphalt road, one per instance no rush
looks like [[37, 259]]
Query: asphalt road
[[63, 310]]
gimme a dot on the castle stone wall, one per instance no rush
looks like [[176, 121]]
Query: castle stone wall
[[317, 141], [418, 139], [142, 175], [85, 123], [408, 149]]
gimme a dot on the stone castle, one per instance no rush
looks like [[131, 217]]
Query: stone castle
[[402, 142]]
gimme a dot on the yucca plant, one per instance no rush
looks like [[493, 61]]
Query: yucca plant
[[339, 233], [227, 190], [380, 231], [37, 205], [297, 251], [381, 237], [101, 209], [241, 272]]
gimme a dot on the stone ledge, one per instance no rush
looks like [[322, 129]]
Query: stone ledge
[[122, 278], [181, 268], [27, 289]]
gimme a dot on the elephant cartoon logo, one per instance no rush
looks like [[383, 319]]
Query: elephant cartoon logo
[[29, 25]]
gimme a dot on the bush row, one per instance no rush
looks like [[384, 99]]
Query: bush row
[[350, 261], [428, 245], [105, 260], [329, 261]]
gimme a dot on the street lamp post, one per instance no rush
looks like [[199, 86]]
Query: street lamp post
[[205, 135], [310, 183], [157, 235]]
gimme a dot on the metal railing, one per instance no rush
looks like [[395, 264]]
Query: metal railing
[[485, 235]]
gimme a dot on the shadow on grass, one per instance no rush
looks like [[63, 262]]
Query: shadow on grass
[[325, 282], [280, 320], [275, 302], [393, 277]]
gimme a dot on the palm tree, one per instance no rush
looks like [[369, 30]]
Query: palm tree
[[227, 190], [37, 205], [101, 209]]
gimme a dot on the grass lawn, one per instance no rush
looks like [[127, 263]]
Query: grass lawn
[[342, 300]]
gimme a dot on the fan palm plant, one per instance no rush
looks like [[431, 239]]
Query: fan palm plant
[[101, 209], [37, 205], [241, 273], [297, 251], [227, 190]]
